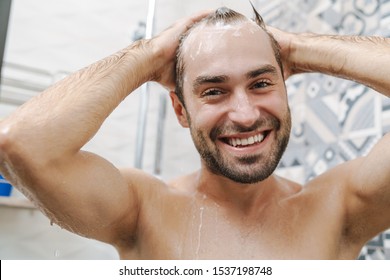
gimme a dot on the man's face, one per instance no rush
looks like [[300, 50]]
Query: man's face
[[235, 101]]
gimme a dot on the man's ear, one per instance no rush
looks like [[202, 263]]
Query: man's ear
[[179, 108]]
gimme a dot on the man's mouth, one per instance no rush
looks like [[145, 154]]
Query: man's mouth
[[246, 141]]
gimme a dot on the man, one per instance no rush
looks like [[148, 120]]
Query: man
[[230, 92]]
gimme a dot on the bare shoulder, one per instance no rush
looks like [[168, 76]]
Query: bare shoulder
[[142, 182], [185, 183], [134, 176], [147, 186], [337, 176], [326, 193], [289, 186]]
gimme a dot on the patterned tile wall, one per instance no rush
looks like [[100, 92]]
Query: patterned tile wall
[[334, 120]]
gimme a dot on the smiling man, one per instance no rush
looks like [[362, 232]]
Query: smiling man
[[239, 117], [230, 92]]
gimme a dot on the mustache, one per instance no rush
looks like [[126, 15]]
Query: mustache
[[269, 122]]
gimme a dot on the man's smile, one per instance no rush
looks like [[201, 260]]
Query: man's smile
[[243, 141], [245, 144]]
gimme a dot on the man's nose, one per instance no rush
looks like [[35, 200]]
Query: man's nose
[[243, 109]]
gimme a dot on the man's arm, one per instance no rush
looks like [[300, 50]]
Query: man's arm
[[359, 58], [40, 144], [367, 61]]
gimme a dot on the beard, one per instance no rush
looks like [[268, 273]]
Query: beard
[[248, 169]]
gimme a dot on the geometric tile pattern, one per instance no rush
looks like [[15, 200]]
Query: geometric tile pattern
[[334, 120]]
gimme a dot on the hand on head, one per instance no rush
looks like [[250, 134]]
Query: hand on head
[[284, 40], [167, 43]]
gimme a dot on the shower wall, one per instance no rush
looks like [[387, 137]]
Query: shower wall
[[333, 120]]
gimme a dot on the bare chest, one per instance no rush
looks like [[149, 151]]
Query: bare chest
[[204, 232]]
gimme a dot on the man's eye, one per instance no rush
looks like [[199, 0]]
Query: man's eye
[[212, 92], [261, 84]]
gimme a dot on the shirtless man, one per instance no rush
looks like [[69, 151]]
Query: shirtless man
[[230, 92]]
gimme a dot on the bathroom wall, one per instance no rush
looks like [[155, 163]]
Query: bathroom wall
[[334, 120]]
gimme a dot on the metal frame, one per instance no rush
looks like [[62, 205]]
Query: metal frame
[[144, 102]]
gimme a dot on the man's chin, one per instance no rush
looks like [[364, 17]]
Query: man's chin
[[246, 180], [244, 176]]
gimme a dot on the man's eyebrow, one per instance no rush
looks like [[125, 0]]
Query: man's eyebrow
[[266, 69], [206, 79]]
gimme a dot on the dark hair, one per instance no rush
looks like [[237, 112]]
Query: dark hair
[[225, 16]]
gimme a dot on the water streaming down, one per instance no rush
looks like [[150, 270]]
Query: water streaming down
[[200, 226], [199, 231]]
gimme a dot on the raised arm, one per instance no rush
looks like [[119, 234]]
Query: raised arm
[[367, 61], [358, 58], [40, 144]]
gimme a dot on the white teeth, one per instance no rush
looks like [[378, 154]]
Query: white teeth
[[260, 137], [246, 141]]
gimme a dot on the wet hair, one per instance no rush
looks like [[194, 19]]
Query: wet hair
[[220, 16]]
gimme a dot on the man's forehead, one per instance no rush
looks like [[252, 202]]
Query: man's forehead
[[209, 39], [204, 30], [211, 44]]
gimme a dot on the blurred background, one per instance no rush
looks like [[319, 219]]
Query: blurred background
[[42, 41]]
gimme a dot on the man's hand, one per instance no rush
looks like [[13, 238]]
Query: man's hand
[[166, 45], [284, 40]]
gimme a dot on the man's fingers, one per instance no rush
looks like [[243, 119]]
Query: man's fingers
[[189, 21]]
